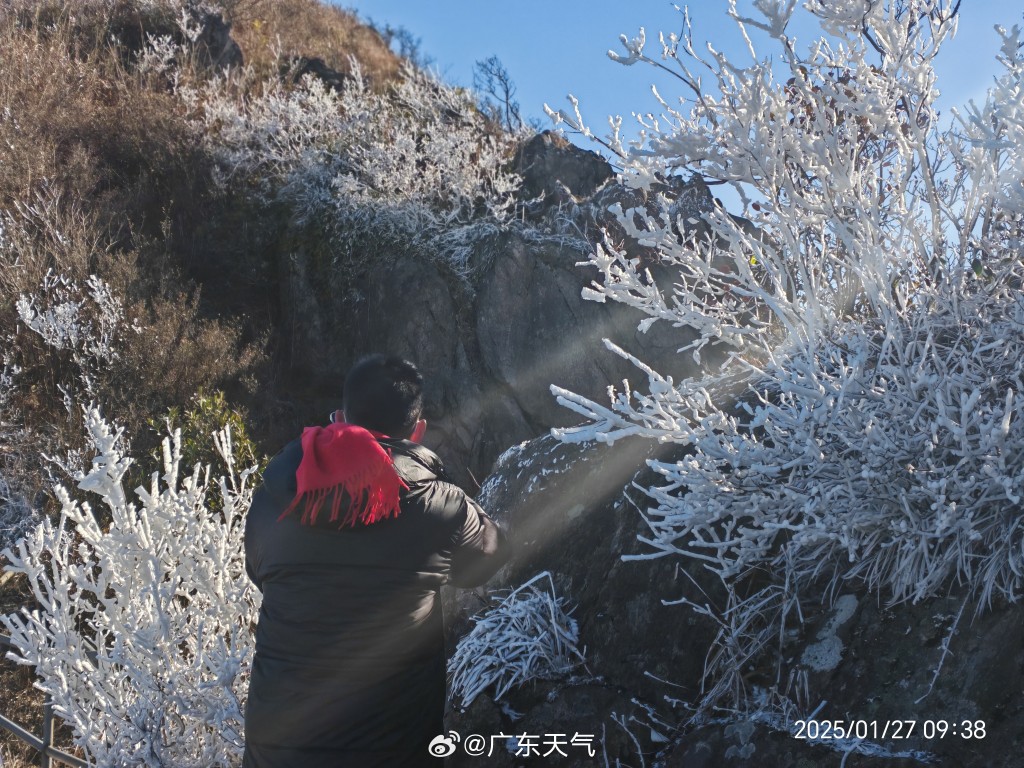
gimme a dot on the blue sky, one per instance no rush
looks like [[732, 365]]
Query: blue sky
[[555, 47]]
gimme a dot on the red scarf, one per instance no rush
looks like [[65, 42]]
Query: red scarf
[[345, 462]]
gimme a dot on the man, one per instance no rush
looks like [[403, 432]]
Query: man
[[350, 538]]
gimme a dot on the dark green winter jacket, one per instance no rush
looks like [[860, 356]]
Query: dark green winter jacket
[[349, 667]]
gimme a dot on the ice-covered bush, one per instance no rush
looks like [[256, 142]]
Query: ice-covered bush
[[84, 322], [142, 632], [527, 635], [867, 425], [874, 454], [418, 161], [15, 513]]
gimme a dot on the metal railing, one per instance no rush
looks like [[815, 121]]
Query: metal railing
[[44, 744]]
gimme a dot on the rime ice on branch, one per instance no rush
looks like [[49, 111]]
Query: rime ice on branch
[[526, 636], [867, 425], [420, 161], [143, 630]]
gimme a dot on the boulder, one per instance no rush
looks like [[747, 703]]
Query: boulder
[[317, 68], [489, 348], [553, 167], [534, 329], [490, 344], [214, 45], [132, 27], [566, 512]]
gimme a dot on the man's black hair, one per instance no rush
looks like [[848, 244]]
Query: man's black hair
[[384, 393]]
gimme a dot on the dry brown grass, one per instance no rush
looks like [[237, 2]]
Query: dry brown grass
[[86, 149], [292, 28], [103, 174], [99, 168]]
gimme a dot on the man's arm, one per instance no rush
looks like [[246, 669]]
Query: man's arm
[[481, 548], [251, 540]]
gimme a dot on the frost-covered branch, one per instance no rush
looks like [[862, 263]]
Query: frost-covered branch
[[142, 633], [85, 322], [527, 635], [866, 427], [420, 159]]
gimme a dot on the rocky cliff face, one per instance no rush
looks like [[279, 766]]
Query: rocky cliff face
[[489, 345]]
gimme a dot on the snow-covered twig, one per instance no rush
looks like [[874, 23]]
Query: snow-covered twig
[[867, 426], [527, 635], [143, 631]]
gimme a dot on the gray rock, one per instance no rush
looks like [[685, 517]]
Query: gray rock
[[491, 345], [489, 350], [215, 45], [317, 68], [132, 25], [555, 169], [534, 329]]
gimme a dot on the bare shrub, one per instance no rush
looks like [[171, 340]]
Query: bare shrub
[[92, 158], [99, 172], [177, 353]]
